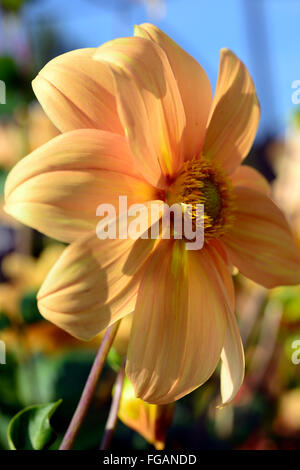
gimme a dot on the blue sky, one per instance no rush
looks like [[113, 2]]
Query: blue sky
[[263, 33]]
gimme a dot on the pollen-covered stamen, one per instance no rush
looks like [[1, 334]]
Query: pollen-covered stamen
[[202, 182]]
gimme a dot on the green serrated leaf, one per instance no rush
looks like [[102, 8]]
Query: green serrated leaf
[[30, 429]]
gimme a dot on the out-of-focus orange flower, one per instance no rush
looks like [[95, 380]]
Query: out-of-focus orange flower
[[46, 337], [27, 132], [10, 145], [288, 418], [9, 301], [138, 119], [151, 421], [27, 272], [39, 127]]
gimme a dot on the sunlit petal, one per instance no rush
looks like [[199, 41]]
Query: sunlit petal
[[234, 115], [233, 361], [250, 178], [193, 84], [77, 93], [58, 187], [149, 105]]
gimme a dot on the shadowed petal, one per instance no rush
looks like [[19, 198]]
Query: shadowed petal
[[94, 283], [149, 105], [58, 187], [193, 84], [178, 325], [223, 268], [260, 242], [234, 115], [77, 93]]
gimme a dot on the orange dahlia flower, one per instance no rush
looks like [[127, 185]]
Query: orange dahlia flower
[[138, 119]]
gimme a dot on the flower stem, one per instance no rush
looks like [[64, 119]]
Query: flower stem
[[113, 413], [89, 388]]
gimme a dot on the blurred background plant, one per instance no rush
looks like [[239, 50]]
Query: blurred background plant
[[45, 364]]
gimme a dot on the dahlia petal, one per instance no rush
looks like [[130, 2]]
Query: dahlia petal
[[232, 356], [223, 269], [178, 325], [94, 283], [58, 187], [260, 242], [193, 84], [250, 178], [77, 93], [234, 114], [149, 105], [233, 361]]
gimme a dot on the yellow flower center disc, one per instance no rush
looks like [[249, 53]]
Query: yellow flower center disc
[[202, 182]]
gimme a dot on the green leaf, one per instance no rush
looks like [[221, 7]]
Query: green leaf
[[30, 429], [29, 309], [3, 176], [114, 360], [4, 321], [8, 383], [4, 423], [12, 5]]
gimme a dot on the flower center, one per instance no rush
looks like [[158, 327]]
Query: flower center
[[202, 182]]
